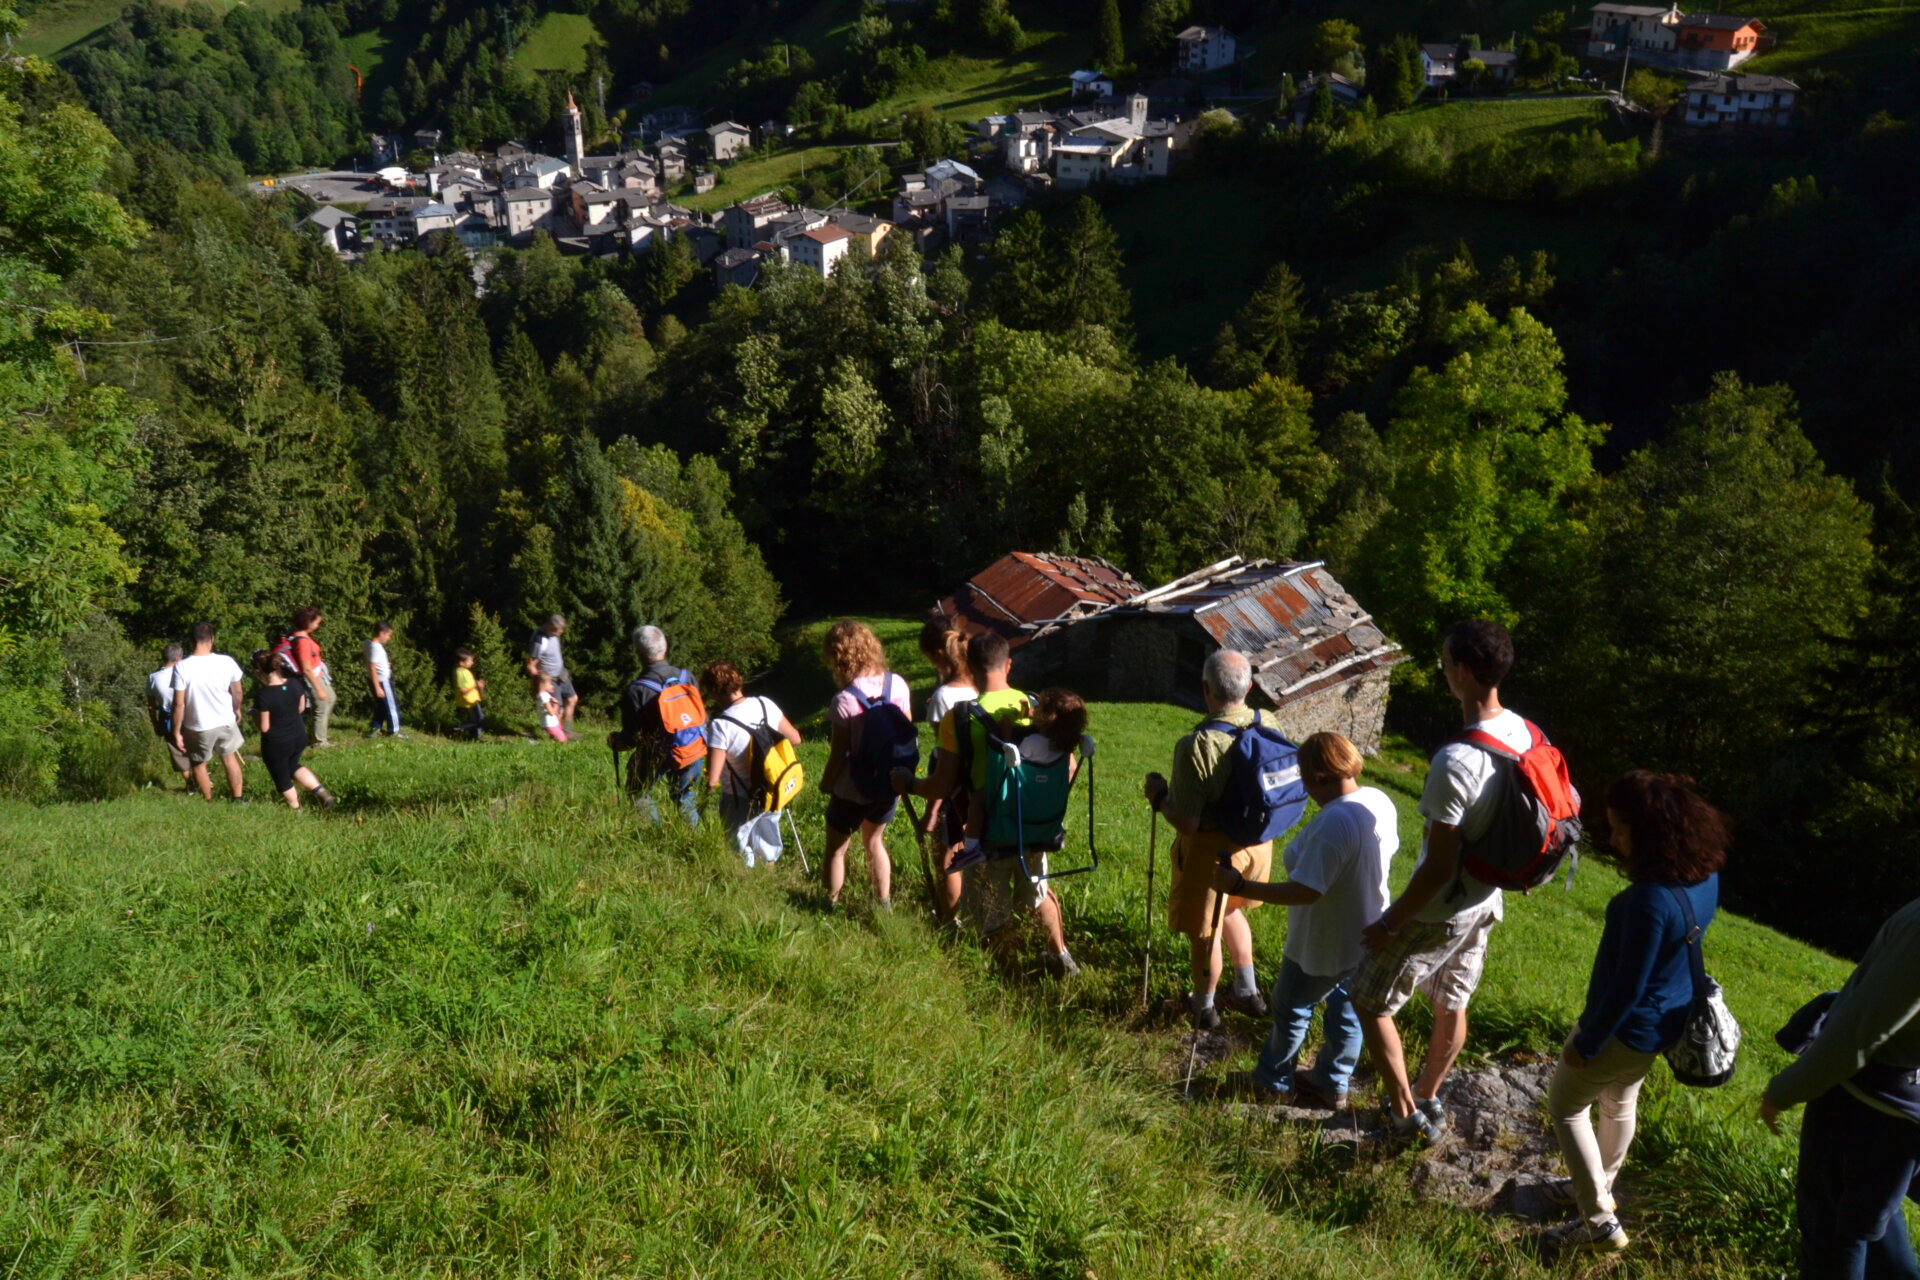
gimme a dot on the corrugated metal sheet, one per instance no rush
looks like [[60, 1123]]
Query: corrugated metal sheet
[[1300, 627], [1019, 593]]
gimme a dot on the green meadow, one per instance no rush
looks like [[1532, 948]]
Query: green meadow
[[481, 1021]]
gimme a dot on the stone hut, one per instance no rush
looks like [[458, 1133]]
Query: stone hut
[[1319, 660]]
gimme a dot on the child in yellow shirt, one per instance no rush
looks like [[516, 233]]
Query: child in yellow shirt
[[467, 691]]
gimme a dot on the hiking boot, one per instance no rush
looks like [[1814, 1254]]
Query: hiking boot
[[1411, 1128], [326, 798], [1435, 1113], [1582, 1236], [1251, 1003], [1308, 1092], [1207, 1019], [1062, 965]]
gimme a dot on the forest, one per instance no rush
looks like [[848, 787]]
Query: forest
[[1687, 488]]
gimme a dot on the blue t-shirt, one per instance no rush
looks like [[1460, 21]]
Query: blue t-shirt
[[1642, 983]]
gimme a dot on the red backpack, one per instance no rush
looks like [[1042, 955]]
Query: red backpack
[[1536, 825]]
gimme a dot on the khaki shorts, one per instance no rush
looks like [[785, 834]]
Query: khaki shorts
[[1190, 905], [993, 892], [204, 744], [1443, 961]]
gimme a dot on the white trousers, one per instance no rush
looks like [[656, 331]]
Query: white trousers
[[1594, 1154]]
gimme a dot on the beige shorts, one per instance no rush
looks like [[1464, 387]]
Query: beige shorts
[[204, 744], [1443, 961], [993, 892], [1191, 900]]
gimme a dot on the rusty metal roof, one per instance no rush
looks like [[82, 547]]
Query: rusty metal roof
[[1020, 593], [1301, 629]]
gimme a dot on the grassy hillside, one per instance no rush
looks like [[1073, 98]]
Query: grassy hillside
[[52, 25], [559, 43], [479, 1022]]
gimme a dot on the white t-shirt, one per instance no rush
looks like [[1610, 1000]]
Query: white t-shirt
[[377, 655], [546, 653], [160, 690], [946, 698], [208, 679], [1343, 853], [1458, 794], [728, 731]]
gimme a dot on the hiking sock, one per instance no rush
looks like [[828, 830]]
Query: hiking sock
[[1200, 1003], [1244, 983]]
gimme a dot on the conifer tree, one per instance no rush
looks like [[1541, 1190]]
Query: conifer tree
[[1089, 288], [1110, 53]]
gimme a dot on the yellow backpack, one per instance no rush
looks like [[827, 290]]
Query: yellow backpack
[[773, 767]]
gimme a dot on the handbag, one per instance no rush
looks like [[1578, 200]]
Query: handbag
[[1704, 1054]]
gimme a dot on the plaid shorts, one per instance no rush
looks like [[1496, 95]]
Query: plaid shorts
[[1442, 960]]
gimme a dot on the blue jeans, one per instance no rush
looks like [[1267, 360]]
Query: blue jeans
[[1295, 993], [1856, 1166], [682, 784], [386, 711]]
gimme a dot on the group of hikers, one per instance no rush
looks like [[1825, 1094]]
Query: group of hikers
[[995, 794]]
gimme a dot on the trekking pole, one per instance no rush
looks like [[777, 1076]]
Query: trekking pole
[[920, 837], [616, 773], [1219, 905], [1153, 856]]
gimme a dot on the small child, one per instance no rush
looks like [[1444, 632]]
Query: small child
[[467, 691], [549, 706], [1053, 730]]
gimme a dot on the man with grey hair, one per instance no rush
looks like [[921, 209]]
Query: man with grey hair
[[1200, 773], [643, 731], [544, 659]]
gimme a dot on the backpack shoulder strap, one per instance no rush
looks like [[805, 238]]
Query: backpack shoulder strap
[[1487, 742], [1221, 726], [1692, 941]]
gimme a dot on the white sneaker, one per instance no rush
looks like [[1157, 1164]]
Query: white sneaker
[[1582, 1236]]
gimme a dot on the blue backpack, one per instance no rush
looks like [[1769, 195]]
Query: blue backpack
[[1264, 795], [888, 740]]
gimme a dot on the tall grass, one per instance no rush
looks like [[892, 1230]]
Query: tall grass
[[479, 1021]]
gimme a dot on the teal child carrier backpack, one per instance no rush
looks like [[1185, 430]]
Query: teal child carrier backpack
[[1027, 800]]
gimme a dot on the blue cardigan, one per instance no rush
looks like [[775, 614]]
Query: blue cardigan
[[1642, 983]]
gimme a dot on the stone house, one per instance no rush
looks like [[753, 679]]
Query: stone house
[[1319, 660]]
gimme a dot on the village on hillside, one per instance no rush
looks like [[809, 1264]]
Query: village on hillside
[[620, 203]]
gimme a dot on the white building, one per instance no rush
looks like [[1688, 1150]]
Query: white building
[[527, 208], [819, 249], [1440, 63], [1639, 28], [1204, 48], [1090, 84], [728, 139], [1734, 100]]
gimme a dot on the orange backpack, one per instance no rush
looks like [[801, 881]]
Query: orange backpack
[[683, 719]]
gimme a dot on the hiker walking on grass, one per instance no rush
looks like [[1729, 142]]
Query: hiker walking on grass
[[311, 667], [207, 699], [1336, 885], [160, 711], [943, 824], [858, 664], [730, 733], [545, 659], [279, 703], [1199, 779], [993, 890], [1433, 937], [663, 723], [386, 701], [1671, 844], [1859, 1076]]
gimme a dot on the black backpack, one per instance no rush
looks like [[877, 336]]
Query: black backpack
[[888, 741]]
